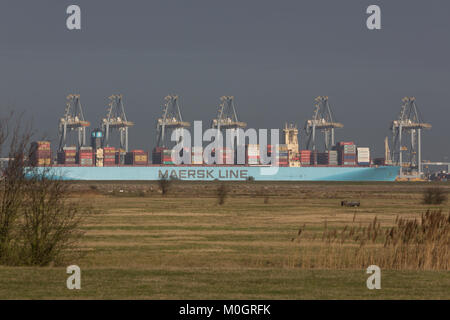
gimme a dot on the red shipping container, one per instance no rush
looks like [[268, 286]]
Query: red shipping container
[[345, 143]]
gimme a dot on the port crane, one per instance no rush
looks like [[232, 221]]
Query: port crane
[[438, 164], [227, 116], [171, 119], [73, 120], [322, 120], [116, 119], [408, 123]]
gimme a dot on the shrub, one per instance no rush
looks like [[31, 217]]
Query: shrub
[[434, 195], [222, 193], [164, 184], [51, 225], [38, 225]]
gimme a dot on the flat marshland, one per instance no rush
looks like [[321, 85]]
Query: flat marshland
[[267, 241]]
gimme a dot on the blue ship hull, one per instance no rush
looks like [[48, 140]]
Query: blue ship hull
[[231, 173]]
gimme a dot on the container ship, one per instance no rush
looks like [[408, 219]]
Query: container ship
[[346, 163], [342, 161]]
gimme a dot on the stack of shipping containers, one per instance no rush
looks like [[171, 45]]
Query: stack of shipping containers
[[185, 153], [322, 158], [347, 153], [271, 149], [252, 154], [197, 155], [162, 155], [282, 157], [136, 158], [68, 156], [85, 156], [363, 156], [333, 158], [167, 157], [344, 153], [120, 156], [41, 154], [328, 158], [226, 155], [314, 156], [305, 157], [109, 156], [157, 155]]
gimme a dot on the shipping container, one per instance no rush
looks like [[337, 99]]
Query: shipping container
[[197, 155], [136, 158], [363, 156], [379, 161], [161, 155], [346, 153], [305, 157], [40, 153], [252, 154], [85, 156]]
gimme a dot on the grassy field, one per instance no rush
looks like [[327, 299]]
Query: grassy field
[[142, 245]]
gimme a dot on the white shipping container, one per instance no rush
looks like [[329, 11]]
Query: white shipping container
[[363, 155]]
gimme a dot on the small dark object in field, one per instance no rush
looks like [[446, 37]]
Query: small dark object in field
[[222, 192], [165, 184], [346, 203]]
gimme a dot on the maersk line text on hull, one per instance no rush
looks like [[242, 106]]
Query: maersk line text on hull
[[204, 174]]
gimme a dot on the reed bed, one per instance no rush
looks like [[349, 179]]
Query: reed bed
[[419, 244]]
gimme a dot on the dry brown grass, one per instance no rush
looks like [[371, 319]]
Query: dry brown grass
[[410, 244], [183, 245]]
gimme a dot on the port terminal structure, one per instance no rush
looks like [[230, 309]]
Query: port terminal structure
[[406, 131], [116, 119], [171, 119], [323, 121], [73, 120], [227, 116]]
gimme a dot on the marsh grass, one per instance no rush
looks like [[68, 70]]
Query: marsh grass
[[408, 245]]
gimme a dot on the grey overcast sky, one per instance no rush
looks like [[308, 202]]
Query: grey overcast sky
[[275, 57]]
